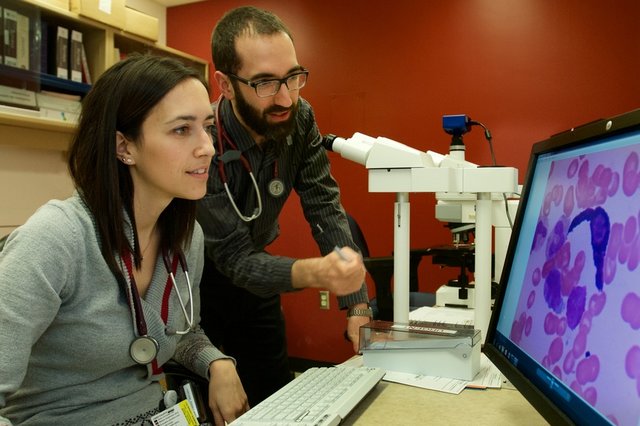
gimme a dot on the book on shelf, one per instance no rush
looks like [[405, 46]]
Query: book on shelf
[[86, 73], [23, 50], [14, 96], [10, 30], [75, 56], [19, 111], [59, 106], [57, 51], [44, 46], [60, 115], [1, 35], [56, 101], [69, 96]]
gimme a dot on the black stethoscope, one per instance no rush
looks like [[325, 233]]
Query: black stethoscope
[[144, 348], [275, 186]]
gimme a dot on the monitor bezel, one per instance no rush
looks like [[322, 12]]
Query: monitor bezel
[[587, 133]]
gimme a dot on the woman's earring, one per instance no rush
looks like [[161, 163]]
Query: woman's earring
[[126, 160]]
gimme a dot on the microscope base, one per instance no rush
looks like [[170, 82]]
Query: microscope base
[[451, 296]]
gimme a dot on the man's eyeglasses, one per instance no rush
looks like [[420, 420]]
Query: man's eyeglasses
[[266, 88]]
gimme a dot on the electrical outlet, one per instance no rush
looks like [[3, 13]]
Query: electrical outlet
[[324, 299]]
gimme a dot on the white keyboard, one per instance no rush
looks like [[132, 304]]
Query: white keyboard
[[320, 396]]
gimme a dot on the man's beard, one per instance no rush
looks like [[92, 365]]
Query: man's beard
[[258, 122]]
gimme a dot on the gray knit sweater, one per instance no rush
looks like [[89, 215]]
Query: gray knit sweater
[[66, 326]]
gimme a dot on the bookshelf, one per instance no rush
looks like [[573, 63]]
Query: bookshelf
[[101, 42]]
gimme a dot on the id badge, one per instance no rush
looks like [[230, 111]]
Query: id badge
[[180, 414]]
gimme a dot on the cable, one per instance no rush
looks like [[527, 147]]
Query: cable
[[489, 138]]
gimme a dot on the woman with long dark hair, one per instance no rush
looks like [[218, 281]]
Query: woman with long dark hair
[[101, 289]]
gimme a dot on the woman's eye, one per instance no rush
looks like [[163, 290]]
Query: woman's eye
[[181, 130]]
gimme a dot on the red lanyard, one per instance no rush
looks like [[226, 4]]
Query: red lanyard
[[135, 301]]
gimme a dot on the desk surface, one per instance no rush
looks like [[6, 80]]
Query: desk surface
[[396, 404]]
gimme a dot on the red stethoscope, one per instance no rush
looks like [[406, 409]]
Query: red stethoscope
[[275, 187], [144, 348]]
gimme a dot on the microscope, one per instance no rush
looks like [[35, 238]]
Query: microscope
[[457, 211], [397, 168]]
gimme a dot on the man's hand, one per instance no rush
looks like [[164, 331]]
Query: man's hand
[[341, 273], [227, 398]]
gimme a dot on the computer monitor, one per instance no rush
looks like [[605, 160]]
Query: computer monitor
[[565, 329]]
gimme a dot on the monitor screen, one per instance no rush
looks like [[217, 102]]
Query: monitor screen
[[566, 324]]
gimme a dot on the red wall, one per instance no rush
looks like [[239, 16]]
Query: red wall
[[526, 69]]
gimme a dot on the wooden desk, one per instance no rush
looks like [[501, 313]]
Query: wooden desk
[[396, 404]]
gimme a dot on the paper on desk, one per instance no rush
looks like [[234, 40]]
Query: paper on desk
[[442, 315], [488, 377]]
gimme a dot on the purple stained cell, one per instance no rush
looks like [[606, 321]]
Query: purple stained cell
[[546, 204], [556, 239], [556, 349], [575, 306], [614, 185], [540, 235], [562, 326], [531, 299], [590, 394], [600, 228], [585, 187], [597, 302], [609, 272], [634, 254], [605, 178], [550, 323], [623, 253], [517, 328], [630, 229], [585, 324], [630, 310], [569, 363], [569, 202], [588, 369], [597, 174], [548, 266], [630, 174], [552, 291], [557, 372], [632, 362], [528, 324], [563, 257], [579, 344], [615, 239], [571, 279], [535, 277], [573, 168], [556, 194]]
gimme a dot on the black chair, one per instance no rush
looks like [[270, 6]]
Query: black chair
[[381, 271]]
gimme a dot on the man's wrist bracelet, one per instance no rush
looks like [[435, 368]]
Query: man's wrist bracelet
[[360, 312]]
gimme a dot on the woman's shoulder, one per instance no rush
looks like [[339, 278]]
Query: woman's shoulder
[[60, 219]]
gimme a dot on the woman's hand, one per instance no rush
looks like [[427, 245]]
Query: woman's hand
[[227, 398]]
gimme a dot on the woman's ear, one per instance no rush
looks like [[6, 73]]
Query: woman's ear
[[224, 83], [122, 149]]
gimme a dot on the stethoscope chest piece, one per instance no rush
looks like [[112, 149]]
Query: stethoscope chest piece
[[144, 349], [276, 187]]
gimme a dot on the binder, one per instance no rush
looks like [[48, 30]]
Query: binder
[[75, 56], [10, 24], [58, 51], [23, 51], [1, 35]]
